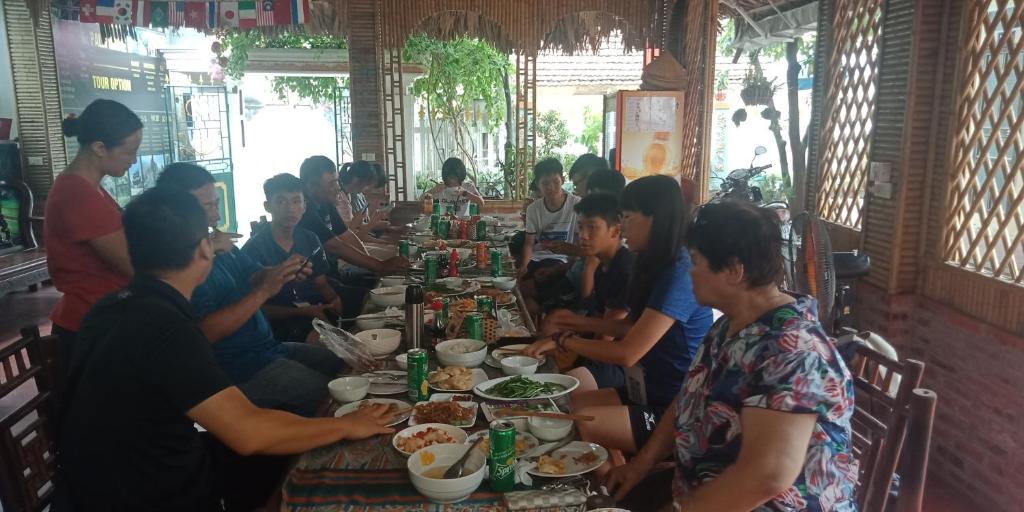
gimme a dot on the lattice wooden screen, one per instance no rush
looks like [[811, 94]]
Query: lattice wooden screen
[[985, 233], [850, 109]]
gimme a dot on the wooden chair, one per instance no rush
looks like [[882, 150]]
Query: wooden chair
[[914, 460], [27, 451], [880, 420]]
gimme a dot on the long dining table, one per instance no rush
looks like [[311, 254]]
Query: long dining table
[[371, 475]]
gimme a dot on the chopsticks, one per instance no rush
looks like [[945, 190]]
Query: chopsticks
[[537, 414]]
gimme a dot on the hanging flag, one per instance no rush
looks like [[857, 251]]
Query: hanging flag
[[265, 16], [87, 11], [158, 16], [300, 12], [247, 14], [282, 12], [176, 14], [141, 12], [228, 15], [196, 15], [104, 11]]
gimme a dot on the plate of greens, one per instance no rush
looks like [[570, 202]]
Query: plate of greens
[[522, 387]]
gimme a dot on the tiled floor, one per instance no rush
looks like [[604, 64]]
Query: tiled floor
[[24, 308]]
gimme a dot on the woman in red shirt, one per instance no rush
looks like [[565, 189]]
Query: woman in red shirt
[[86, 251]]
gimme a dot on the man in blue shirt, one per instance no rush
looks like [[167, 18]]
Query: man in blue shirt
[[292, 310], [287, 376]]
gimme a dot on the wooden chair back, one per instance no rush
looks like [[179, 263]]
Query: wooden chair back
[[880, 420], [914, 461], [27, 451]]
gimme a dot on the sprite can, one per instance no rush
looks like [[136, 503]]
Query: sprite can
[[481, 229], [495, 263], [403, 248], [418, 387], [485, 304], [443, 227], [435, 219], [475, 326], [502, 459], [430, 268], [474, 209]]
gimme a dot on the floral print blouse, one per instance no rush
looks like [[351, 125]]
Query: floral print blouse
[[784, 361]]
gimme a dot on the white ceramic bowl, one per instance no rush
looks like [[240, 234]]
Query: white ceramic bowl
[[348, 389], [450, 352], [504, 283], [388, 296], [454, 432], [403, 361], [452, 282], [549, 429], [519, 365], [443, 456], [392, 281], [375, 322], [380, 342], [422, 239]]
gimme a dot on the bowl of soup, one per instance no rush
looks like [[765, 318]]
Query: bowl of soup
[[427, 467]]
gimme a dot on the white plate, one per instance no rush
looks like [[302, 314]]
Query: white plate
[[493, 358], [479, 376], [570, 383], [471, 405], [455, 432], [354, 406], [547, 405], [575, 449], [467, 287], [531, 441], [447, 397], [382, 387]]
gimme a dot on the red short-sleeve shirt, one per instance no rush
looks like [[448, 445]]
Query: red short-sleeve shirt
[[76, 212]]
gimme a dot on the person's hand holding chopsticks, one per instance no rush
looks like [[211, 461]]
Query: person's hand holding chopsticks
[[368, 421]]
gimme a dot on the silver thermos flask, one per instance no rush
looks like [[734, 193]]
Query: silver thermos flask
[[414, 316]]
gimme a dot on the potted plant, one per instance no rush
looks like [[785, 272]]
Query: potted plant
[[757, 90], [721, 85]]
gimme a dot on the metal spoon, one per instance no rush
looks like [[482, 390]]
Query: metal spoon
[[456, 470]]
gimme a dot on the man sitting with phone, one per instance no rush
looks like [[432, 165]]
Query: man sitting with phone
[[288, 376], [292, 310]]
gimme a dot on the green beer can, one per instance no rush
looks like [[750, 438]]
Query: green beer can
[[475, 326], [502, 459], [435, 219], [403, 248], [474, 209], [481, 230], [485, 304], [430, 265], [418, 387], [443, 227], [495, 263]]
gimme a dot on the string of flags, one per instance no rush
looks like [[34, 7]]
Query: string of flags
[[195, 14]]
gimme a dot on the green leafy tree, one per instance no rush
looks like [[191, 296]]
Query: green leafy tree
[[799, 55], [319, 90], [460, 73], [592, 127]]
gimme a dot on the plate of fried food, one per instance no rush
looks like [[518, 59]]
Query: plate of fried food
[[413, 438], [575, 458], [524, 442], [500, 298], [394, 406], [459, 414], [456, 379], [462, 305]]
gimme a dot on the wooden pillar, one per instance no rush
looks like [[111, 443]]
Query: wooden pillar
[[363, 48]]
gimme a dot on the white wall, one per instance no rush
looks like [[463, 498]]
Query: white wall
[[7, 108]]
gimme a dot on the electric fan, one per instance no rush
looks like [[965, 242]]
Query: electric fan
[[811, 269]]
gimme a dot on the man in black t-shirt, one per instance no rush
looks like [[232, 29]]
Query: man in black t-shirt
[[604, 280], [320, 176], [143, 373]]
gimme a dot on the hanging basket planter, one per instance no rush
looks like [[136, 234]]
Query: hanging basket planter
[[757, 94]]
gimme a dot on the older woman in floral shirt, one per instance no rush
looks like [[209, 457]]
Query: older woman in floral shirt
[[763, 421]]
